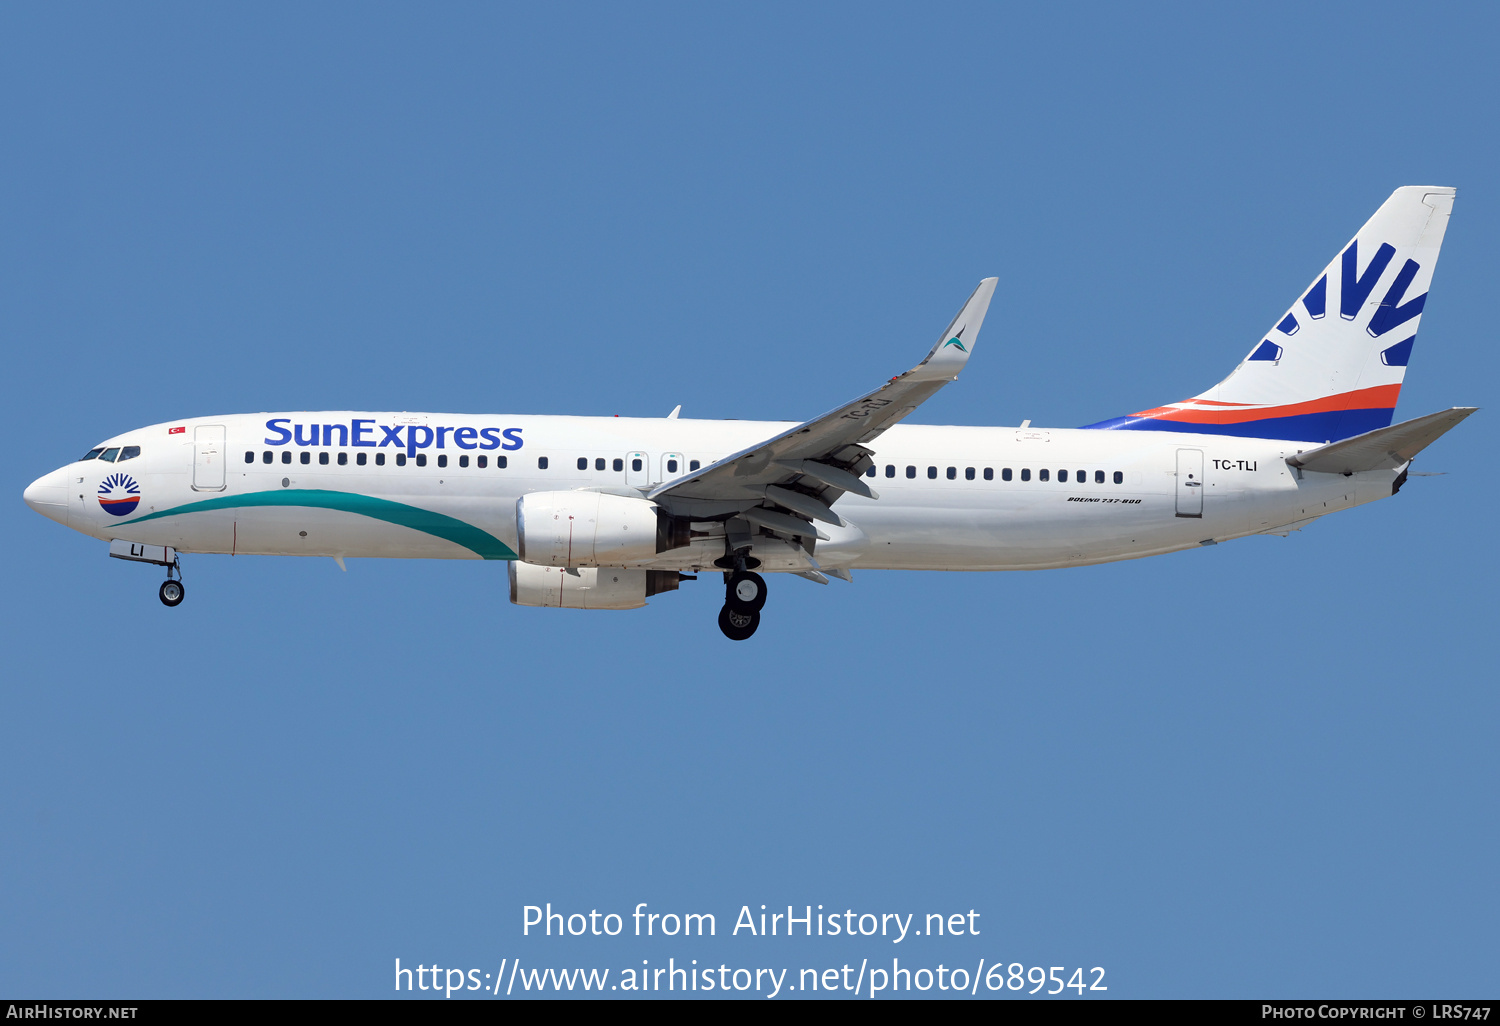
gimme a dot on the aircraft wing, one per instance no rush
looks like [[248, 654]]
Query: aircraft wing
[[806, 469]]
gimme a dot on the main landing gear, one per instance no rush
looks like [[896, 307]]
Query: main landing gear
[[744, 595]]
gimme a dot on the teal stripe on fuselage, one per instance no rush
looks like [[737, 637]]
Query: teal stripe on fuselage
[[438, 525]]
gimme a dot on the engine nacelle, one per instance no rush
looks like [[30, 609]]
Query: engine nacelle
[[586, 587], [585, 529]]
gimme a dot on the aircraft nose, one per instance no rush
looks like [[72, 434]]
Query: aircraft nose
[[48, 495]]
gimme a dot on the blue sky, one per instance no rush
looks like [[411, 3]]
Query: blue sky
[[1262, 768]]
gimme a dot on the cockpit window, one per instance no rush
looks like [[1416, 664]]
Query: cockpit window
[[108, 455], [130, 452], [93, 454]]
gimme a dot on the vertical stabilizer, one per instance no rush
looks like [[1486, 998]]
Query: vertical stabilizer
[[1332, 366]]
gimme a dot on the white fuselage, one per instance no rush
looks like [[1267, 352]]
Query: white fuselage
[[950, 498]]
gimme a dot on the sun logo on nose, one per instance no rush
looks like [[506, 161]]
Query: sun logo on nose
[[119, 495]]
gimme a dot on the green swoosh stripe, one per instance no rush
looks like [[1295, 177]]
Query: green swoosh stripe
[[955, 342], [438, 525]]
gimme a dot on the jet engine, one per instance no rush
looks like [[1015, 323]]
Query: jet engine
[[586, 529], [587, 587]]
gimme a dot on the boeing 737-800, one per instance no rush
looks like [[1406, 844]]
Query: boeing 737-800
[[602, 513]]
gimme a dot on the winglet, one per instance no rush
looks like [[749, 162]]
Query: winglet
[[953, 349]]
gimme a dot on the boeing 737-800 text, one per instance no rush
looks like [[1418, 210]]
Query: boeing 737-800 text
[[602, 513]]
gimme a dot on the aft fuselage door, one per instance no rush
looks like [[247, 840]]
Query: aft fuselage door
[[208, 458], [638, 470], [1190, 482]]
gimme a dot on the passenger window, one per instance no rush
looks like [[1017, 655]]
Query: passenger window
[[968, 473], [583, 463], [693, 465], [1098, 477], [306, 458], [911, 471], [323, 458], [421, 459], [635, 464], [871, 471], [379, 459], [249, 457], [92, 454], [989, 473], [442, 460], [286, 455], [361, 458], [1005, 474], [932, 473], [671, 466], [1043, 475], [501, 462], [1082, 477], [599, 464], [890, 470], [481, 462], [1119, 477], [108, 455], [1025, 473], [619, 465], [130, 452], [463, 461], [400, 459], [541, 463], [1062, 475], [953, 473], [267, 456]]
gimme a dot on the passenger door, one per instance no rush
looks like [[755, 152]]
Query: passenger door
[[1190, 482], [208, 458]]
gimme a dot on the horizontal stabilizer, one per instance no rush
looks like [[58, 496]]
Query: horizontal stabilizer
[[1382, 449]]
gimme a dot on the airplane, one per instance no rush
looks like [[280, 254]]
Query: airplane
[[606, 512]]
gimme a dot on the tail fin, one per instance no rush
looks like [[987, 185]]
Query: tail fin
[[1332, 367]]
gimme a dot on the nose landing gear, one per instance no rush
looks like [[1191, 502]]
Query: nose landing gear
[[172, 592]]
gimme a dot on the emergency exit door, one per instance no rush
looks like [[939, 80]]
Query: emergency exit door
[[208, 458], [1190, 482], [638, 470]]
